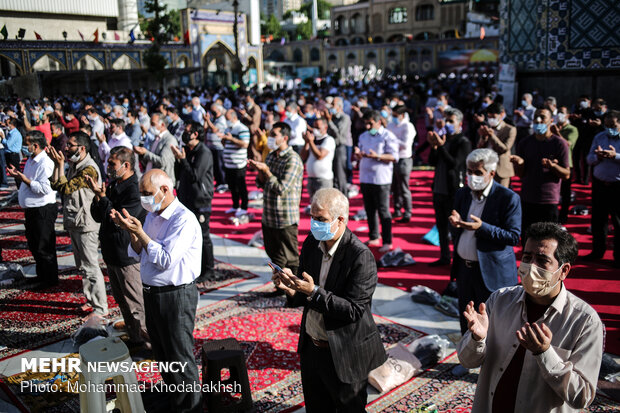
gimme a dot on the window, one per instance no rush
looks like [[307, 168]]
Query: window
[[425, 12], [351, 56], [332, 57], [315, 54], [398, 15], [297, 55], [111, 23]]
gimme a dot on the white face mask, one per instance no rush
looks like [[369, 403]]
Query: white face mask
[[536, 281], [271, 143], [476, 183], [149, 204], [493, 122], [562, 118]]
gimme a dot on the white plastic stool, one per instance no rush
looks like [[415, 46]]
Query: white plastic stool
[[111, 349]]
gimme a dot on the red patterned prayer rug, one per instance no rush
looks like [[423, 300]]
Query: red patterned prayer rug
[[15, 247], [448, 393], [268, 333], [226, 275]]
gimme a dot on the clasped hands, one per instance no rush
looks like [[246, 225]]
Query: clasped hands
[[290, 283], [533, 337], [457, 222]]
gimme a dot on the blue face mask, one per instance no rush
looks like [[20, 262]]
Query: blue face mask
[[384, 114], [450, 129], [321, 231], [26, 152], [599, 113], [613, 132], [288, 114], [332, 111], [373, 131], [540, 128], [185, 111], [524, 103], [126, 105]]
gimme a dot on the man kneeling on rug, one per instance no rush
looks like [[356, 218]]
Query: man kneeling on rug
[[540, 347], [339, 343]]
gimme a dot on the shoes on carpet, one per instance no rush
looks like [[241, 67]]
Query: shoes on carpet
[[231, 210], [440, 262], [459, 371], [447, 307], [240, 212], [592, 257], [397, 214], [385, 248], [119, 325], [222, 188], [373, 242], [405, 219]]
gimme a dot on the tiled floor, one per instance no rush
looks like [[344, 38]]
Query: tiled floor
[[388, 302]]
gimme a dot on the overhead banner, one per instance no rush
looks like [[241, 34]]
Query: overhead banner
[[463, 61]]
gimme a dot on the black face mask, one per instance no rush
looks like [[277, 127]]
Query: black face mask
[[186, 137]]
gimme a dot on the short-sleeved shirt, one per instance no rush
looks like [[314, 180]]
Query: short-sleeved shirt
[[322, 168], [236, 157], [373, 171], [542, 185]]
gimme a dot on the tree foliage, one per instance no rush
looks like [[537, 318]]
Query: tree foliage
[[323, 6], [272, 26], [161, 28], [304, 30]]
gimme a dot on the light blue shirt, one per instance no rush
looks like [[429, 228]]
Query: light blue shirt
[[174, 255], [198, 115], [606, 170], [13, 141], [373, 171]]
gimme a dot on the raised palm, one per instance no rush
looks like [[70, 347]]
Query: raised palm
[[477, 322]]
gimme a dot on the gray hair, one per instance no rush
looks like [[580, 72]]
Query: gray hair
[[160, 118], [455, 112], [338, 102], [552, 100], [292, 105], [485, 155], [333, 201], [528, 96], [217, 107], [162, 179]]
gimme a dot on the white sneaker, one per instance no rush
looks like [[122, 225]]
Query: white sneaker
[[231, 210], [241, 212], [385, 248]]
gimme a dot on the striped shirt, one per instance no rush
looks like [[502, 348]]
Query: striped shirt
[[236, 157], [282, 191]]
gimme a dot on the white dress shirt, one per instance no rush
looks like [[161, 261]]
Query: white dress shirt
[[322, 168], [113, 142], [406, 133], [298, 128], [39, 193], [174, 255], [315, 324], [467, 248], [561, 379]]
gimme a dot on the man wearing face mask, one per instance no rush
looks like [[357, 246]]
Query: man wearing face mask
[[251, 115], [542, 163], [339, 343], [604, 157], [405, 133], [377, 152], [538, 345], [194, 169], [236, 140], [340, 128], [38, 200], [298, 127], [571, 135], [486, 223], [124, 272], [581, 117], [281, 178], [524, 117], [77, 197], [169, 246], [448, 154], [500, 137], [118, 137], [318, 154], [159, 155]]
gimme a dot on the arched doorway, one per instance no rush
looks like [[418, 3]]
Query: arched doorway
[[8, 68], [217, 66]]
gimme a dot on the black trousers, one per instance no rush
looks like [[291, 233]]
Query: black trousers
[[400, 185], [208, 262], [470, 287], [282, 247], [565, 193], [12, 159], [41, 237], [580, 164], [170, 324], [238, 189], [443, 206], [340, 169], [605, 204], [377, 199], [323, 391], [218, 166], [533, 213]]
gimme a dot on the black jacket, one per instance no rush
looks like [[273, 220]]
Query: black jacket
[[195, 176], [345, 302], [114, 240], [449, 163]]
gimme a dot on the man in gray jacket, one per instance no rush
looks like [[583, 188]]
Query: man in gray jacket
[[340, 128], [77, 219], [160, 154]]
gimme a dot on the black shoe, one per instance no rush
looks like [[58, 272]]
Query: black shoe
[[397, 214], [405, 220], [440, 262], [592, 257]]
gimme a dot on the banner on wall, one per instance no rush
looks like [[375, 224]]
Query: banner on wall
[[463, 61]]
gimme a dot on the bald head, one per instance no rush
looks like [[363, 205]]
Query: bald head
[[158, 184]]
